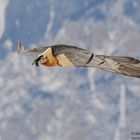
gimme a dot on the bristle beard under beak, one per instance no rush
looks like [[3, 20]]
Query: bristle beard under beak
[[35, 62]]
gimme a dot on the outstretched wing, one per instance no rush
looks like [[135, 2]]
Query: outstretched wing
[[77, 56], [122, 65], [82, 58], [118, 64], [36, 51]]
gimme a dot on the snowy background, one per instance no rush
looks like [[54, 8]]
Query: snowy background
[[60, 103]]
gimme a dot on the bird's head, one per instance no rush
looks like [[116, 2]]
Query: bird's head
[[46, 58], [42, 58]]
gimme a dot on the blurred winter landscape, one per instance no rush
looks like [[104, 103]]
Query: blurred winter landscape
[[61, 103]]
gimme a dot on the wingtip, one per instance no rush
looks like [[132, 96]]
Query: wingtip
[[20, 48]]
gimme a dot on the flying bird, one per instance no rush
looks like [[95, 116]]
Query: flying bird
[[72, 56]]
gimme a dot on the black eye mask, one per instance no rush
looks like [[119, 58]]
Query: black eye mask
[[37, 60]]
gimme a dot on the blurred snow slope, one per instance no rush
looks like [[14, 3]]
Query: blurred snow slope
[[61, 103]]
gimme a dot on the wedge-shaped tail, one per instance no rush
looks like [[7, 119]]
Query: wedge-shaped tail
[[122, 65]]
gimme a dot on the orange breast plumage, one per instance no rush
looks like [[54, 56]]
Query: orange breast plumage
[[50, 64]]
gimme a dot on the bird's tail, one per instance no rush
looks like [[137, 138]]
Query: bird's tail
[[122, 65]]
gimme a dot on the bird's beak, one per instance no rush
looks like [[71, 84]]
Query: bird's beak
[[36, 61]]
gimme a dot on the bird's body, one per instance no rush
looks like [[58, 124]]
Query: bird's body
[[71, 56]]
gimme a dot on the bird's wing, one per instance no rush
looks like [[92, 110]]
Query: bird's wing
[[77, 56], [117, 64], [36, 51]]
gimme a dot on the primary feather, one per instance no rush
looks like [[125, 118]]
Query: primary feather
[[36, 51]]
